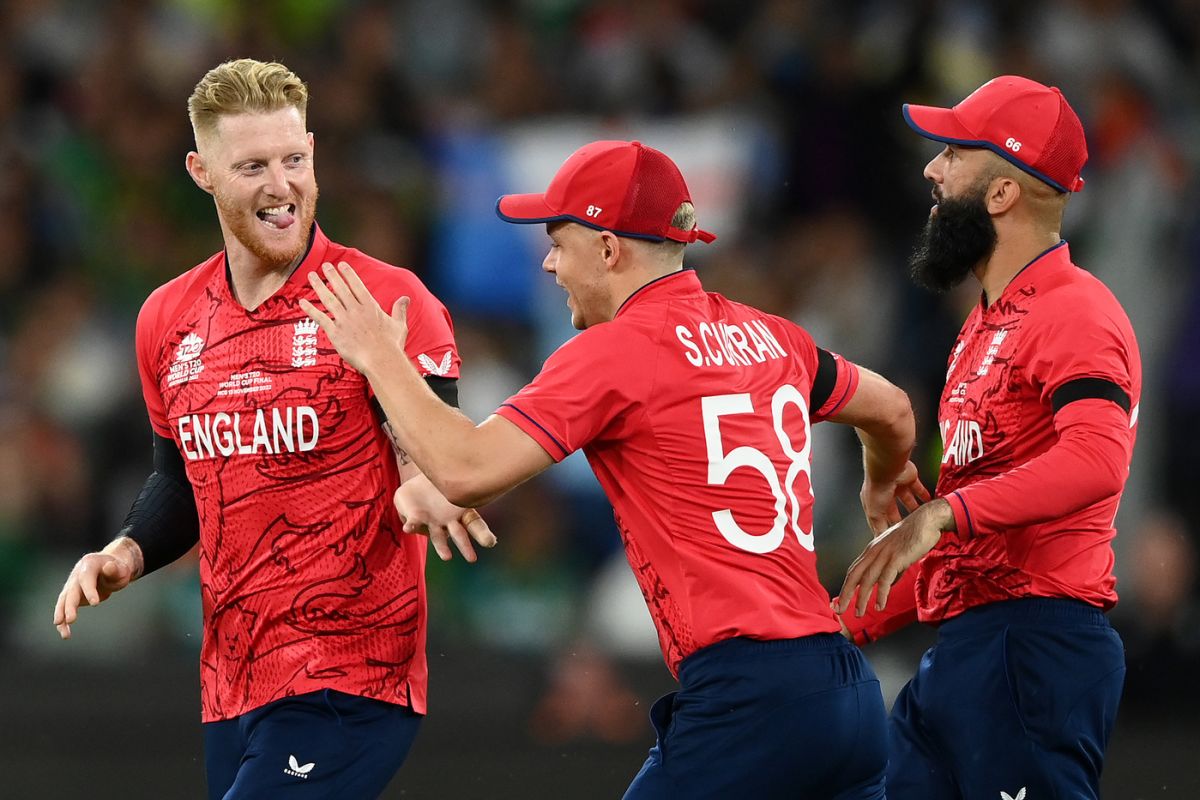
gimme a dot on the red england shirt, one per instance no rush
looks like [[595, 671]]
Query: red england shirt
[[308, 582], [1038, 421], [694, 412]]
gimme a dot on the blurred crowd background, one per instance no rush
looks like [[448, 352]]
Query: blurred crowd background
[[785, 117]]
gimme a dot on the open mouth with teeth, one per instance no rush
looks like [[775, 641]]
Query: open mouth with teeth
[[278, 217]]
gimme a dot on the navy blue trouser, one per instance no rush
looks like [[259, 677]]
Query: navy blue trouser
[[1015, 699], [796, 718], [318, 745]]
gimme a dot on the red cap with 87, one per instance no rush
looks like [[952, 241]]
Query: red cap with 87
[[623, 187]]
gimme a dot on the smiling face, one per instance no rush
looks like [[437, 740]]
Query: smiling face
[[576, 260], [259, 169]]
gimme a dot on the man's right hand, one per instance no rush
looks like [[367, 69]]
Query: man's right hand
[[881, 502], [94, 578]]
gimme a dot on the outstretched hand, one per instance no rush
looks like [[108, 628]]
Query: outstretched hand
[[92, 581], [361, 331], [890, 553]]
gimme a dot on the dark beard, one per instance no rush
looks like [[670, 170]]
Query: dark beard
[[955, 239]]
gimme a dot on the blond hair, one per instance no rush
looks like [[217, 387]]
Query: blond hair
[[684, 219], [244, 86]]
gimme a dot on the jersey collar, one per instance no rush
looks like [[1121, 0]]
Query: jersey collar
[[682, 282], [1044, 265]]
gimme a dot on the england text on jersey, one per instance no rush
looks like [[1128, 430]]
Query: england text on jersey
[[266, 431]]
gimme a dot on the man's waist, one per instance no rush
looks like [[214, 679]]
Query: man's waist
[[1033, 611]]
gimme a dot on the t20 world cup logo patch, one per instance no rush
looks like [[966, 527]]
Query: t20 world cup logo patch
[[187, 364]]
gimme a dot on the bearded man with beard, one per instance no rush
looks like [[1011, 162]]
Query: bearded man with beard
[[272, 453], [1012, 560]]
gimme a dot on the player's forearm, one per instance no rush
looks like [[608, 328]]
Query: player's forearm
[[162, 523], [1088, 464], [888, 440], [441, 442], [883, 417]]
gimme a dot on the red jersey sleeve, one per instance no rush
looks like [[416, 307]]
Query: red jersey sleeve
[[1089, 461], [148, 342], [901, 611], [586, 387], [834, 379], [430, 344], [845, 384], [431, 336], [1079, 342]]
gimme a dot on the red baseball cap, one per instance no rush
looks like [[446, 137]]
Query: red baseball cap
[[1028, 124], [623, 187]]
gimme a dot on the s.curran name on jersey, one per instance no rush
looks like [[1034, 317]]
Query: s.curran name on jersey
[[266, 431], [713, 344]]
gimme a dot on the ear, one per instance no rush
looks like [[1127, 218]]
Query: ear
[[198, 171], [610, 248], [1003, 194]]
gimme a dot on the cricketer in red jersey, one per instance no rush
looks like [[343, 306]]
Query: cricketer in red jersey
[[695, 414], [308, 582], [270, 451], [1038, 419]]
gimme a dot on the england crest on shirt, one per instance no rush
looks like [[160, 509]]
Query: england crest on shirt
[[304, 344]]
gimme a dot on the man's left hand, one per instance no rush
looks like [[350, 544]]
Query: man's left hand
[[424, 510], [892, 552]]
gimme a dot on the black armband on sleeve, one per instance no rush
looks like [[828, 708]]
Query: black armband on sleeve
[[445, 388], [1089, 389], [825, 379], [163, 519]]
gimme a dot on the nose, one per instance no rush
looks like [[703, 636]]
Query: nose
[[276, 183], [933, 170], [549, 261]]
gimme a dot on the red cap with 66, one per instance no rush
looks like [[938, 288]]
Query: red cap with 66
[[1026, 123]]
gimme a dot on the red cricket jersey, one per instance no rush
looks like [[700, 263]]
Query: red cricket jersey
[[307, 579], [693, 411], [1054, 353]]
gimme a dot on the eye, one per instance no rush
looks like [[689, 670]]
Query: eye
[[295, 160], [250, 168]]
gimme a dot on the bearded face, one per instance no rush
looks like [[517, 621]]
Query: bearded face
[[958, 236], [260, 167], [276, 233]]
